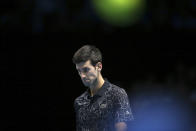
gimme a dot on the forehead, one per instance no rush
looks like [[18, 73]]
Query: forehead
[[84, 64]]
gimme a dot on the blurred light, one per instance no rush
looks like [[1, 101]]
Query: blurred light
[[161, 113], [119, 12]]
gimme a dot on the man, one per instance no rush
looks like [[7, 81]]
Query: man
[[103, 106]]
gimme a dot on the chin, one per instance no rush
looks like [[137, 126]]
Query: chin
[[86, 84]]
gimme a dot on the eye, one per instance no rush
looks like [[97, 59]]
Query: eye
[[85, 70]]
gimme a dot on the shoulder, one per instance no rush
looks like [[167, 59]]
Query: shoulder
[[80, 99], [118, 90]]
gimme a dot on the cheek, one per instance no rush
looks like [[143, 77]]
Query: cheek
[[92, 75]]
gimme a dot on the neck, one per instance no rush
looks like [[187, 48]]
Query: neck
[[99, 83]]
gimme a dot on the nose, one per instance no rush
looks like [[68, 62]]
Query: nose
[[82, 75]]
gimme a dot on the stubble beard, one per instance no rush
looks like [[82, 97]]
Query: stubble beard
[[91, 84]]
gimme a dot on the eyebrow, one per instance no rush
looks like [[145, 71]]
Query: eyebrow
[[83, 68]]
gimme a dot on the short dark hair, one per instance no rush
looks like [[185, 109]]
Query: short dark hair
[[87, 52]]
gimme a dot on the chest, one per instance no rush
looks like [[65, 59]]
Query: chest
[[96, 109]]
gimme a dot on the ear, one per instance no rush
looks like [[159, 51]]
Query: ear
[[99, 66]]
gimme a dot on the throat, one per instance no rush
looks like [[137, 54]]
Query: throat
[[94, 89]]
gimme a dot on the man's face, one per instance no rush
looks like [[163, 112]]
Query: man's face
[[87, 72]]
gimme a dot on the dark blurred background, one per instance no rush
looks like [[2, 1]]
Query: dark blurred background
[[150, 53]]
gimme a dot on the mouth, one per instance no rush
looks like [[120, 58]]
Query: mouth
[[86, 80]]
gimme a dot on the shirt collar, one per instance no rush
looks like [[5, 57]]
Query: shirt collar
[[102, 90]]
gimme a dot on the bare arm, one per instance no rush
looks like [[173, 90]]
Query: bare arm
[[121, 126]]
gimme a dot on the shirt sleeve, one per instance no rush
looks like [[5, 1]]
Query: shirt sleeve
[[76, 116], [122, 107]]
